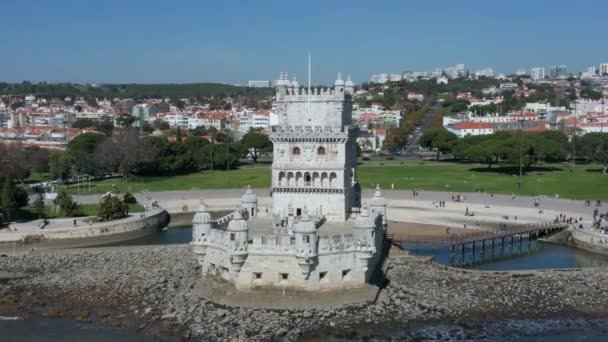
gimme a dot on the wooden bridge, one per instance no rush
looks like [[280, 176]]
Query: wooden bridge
[[459, 243]]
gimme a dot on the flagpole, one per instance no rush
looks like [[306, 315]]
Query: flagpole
[[309, 92]]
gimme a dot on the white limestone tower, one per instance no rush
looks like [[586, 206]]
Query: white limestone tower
[[314, 156], [305, 233]]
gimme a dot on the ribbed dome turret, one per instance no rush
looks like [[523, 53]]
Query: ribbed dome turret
[[202, 214], [339, 81], [305, 225], [295, 83], [378, 199], [364, 220], [237, 223], [249, 196], [349, 82]]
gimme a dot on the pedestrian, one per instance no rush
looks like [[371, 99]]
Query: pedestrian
[[90, 222], [75, 225]]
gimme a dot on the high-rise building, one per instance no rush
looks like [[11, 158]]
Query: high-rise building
[[556, 71], [603, 69], [537, 73]]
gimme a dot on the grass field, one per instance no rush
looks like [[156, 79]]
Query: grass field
[[583, 182], [29, 212]]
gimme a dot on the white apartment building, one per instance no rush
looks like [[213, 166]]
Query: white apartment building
[[177, 120], [537, 73], [541, 107], [603, 69], [257, 120], [582, 107], [259, 84]]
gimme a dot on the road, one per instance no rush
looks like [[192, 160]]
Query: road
[[409, 150]]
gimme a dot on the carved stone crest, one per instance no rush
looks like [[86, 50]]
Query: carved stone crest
[[308, 152]]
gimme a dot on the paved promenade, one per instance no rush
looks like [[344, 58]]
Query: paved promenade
[[487, 211], [549, 203]]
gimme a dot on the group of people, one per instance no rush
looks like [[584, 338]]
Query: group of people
[[439, 204], [568, 219], [598, 218], [458, 198], [598, 203]]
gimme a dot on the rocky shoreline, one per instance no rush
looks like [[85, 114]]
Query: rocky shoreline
[[148, 289]]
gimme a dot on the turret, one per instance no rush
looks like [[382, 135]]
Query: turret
[[339, 84], [349, 86], [281, 84], [201, 226], [249, 202], [364, 233], [378, 206], [238, 237], [305, 232]]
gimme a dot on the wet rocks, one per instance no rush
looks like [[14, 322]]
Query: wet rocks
[[155, 282]]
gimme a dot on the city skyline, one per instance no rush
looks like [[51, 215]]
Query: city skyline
[[148, 42]]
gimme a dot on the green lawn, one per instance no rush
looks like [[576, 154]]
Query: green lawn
[[29, 212], [584, 182]]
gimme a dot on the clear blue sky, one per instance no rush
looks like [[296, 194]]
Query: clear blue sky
[[235, 41]]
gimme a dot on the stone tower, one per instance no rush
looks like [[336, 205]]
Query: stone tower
[[314, 157]]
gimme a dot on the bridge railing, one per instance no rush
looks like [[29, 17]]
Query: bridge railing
[[455, 239]]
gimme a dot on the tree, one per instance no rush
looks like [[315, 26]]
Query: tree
[[160, 124], [60, 164], [256, 144], [85, 123], [82, 149], [112, 208], [124, 152], [106, 126], [67, 206], [146, 127], [38, 158], [125, 120], [440, 139], [13, 161], [595, 147], [11, 197], [39, 205]]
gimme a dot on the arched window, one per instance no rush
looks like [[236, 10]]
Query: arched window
[[307, 179], [321, 151], [296, 151], [332, 180]]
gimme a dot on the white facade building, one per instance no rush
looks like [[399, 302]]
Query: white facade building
[[537, 73], [603, 69], [311, 239], [259, 84]]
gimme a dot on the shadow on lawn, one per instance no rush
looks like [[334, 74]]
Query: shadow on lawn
[[514, 170]]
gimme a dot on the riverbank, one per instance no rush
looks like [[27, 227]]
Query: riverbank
[[72, 233], [149, 289]]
